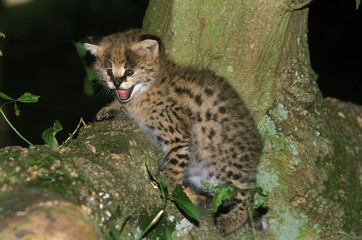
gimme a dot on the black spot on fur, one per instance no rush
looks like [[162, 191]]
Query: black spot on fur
[[208, 115], [198, 117], [172, 130], [182, 164], [211, 134], [173, 161], [184, 91], [182, 156], [198, 100], [214, 118], [236, 176], [222, 109], [209, 92]]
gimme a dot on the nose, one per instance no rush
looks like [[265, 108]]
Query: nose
[[118, 81]]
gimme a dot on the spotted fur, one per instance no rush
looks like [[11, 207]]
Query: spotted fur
[[203, 127]]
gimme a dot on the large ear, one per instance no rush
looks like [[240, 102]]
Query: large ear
[[147, 47], [92, 48]]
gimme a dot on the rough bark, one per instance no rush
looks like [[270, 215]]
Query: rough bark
[[311, 162], [32, 213], [262, 48], [103, 172]]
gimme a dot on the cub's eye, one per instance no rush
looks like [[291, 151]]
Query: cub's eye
[[128, 72], [110, 72]]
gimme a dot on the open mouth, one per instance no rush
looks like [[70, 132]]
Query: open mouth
[[124, 94]]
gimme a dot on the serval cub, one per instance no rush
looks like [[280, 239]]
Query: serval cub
[[203, 127]]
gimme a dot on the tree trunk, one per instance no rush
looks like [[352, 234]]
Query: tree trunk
[[312, 147], [310, 166]]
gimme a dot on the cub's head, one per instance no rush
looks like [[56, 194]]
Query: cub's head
[[127, 62]]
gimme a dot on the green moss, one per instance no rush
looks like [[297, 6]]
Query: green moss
[[30, 166], [336, 182], [288, 224], [279, 160], [343, 185]]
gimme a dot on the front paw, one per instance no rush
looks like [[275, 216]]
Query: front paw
[[108, 112]]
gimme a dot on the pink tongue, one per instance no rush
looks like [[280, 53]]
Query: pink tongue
[[123, 93]]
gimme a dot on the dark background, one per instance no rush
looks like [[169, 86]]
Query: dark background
[[39, 57]]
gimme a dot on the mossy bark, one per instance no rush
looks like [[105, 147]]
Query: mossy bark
[[308, 167], [102, 171], [99, 179]]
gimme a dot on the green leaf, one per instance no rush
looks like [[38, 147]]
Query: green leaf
[[16, 109], [91, 73], [28, 98], [182, 201], [81, 51], [226, 192], [258, 190], [259, 197], [152, 175], [149, 225], [161, 182], [49, 134], [222, 193], [358, 2], [168, 235], [88, 87], [6, 97], [259, 200], [88, 81], [154, 225], [113, 230]]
